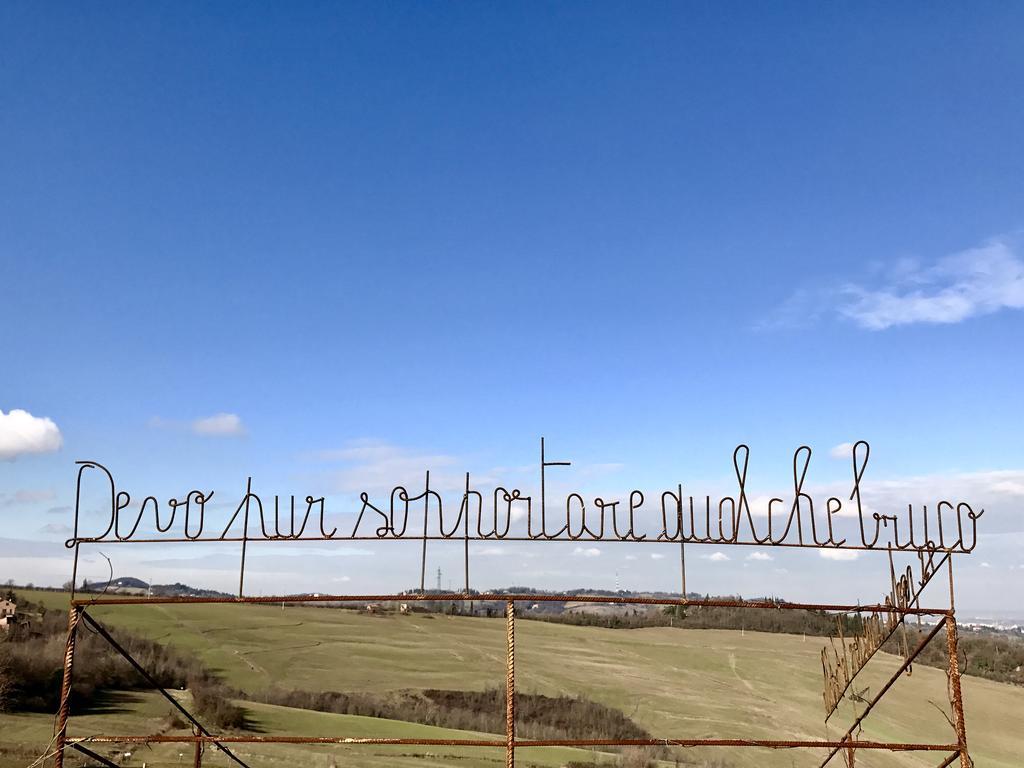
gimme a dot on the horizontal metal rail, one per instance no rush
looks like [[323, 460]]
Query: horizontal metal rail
[[419, 538], [523, 743], [517, 598]]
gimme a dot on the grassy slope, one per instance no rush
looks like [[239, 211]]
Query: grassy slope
[[25, 735], [676, 683]]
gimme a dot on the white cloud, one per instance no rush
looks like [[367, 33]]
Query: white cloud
[[839, 554], [1000, 492], [841, 451], [586, 552], [978, 281], [763, 556], [22, 433], [657, 556], [985, 565], [631, 557], [492, 552], [716, 557], [219, 425]]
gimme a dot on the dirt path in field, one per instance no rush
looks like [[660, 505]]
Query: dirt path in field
[[732, 664]]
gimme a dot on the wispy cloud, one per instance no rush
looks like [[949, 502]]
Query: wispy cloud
[[841, 451], [971, 283], [762, 556], [217, 425], [22, 433], [716, 557], [376, 465], [56, 529], [26, 496], [586, 552], [978, 281], [839, 554]]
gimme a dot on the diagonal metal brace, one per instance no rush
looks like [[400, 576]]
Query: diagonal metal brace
[[138, 668], [95, 756]]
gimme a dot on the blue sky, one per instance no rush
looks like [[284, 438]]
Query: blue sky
[[648, 233]]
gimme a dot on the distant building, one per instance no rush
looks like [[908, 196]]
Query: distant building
[[8, 612]]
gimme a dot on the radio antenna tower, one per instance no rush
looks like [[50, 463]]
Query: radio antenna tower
[[438, 579]]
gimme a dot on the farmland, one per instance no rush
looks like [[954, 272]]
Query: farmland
[[675, 683]]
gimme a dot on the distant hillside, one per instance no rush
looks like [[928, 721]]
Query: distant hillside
[[129, 585]]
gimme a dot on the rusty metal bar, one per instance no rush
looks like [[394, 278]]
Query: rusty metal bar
[[891, 681], [955, 695], [765, 743], [510, 685], [956, 700], [152, 681], [63, 712], [197, 757], [523, 744], [497, 597], [203, 739]]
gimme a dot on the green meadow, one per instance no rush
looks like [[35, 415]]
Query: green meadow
[[675, 683]]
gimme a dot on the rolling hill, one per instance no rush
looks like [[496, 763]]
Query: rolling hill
[[675, 683]]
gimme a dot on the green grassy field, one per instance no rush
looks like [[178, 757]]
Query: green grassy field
[[675, 683], [26, 735]]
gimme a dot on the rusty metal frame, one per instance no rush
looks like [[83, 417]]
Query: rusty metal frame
[[511, 743], [849, 744]]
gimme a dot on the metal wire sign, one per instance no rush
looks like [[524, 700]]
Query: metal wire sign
[[934, 535]]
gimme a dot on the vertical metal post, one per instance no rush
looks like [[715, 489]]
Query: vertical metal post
[[74, 572], [74, 615], [197, 760], [245, 536], [510, 686], [955, 695], [956, 700], [423, 562], [465, 532], [682, 560]]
